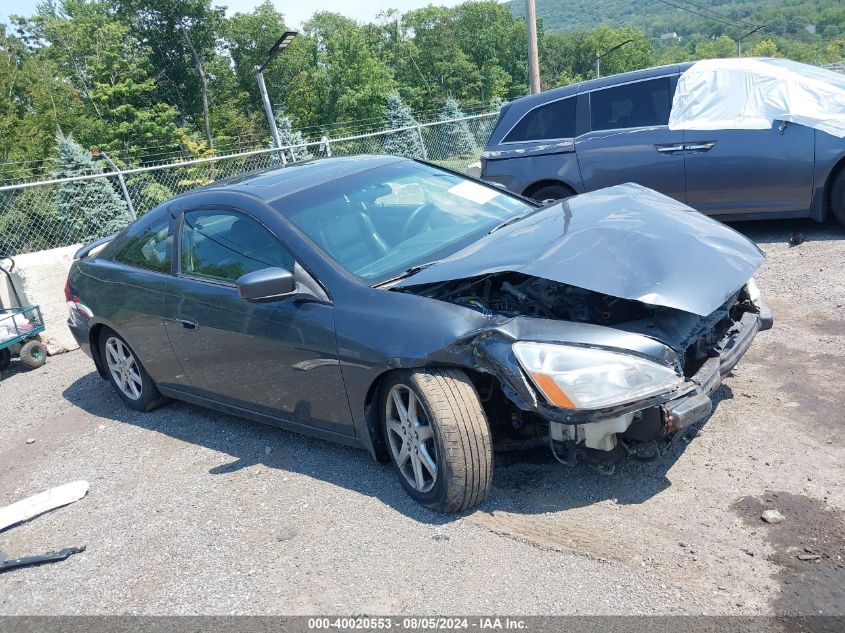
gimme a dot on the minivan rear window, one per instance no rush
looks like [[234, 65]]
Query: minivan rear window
[[551, 121]]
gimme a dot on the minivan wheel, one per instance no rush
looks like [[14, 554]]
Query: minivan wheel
[[438, 438], [552, 192], [126, 373], [837, 196]]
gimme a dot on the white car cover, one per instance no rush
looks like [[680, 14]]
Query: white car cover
[[752, 93]]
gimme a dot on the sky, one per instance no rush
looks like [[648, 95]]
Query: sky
[[296, 11]]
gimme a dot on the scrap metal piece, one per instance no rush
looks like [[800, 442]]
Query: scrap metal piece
[[30, 507], [28, 561]]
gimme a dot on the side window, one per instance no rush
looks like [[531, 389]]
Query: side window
[[550, 121], [639, 104], [224, 245], [146, 246]]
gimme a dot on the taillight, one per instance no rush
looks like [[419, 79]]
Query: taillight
[[67, 289]]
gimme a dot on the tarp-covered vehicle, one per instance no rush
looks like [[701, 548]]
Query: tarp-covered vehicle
[[737, 139], [396, 306]]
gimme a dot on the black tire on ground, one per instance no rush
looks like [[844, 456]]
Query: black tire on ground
[[837, 196], [461, 437], [552, 192], [5, 358], [149, 397], [33, 354]]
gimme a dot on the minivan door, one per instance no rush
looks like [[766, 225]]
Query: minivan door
[[741, 172], [629, 139]]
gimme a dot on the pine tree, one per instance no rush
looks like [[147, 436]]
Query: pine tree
[[87, 209], [407, 142], [287, 138], [459, 140]]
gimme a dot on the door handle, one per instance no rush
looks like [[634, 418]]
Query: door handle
[[188, 324], [669, 149], [700, 147]]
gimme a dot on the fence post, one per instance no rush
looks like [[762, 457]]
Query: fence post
[[422, 142], [123, 188], [325, 146]]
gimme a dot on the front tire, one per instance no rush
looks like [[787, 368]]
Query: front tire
[[126, 373], [438, 438], [837, 196]]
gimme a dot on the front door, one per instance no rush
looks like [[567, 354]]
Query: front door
[[629, 138], [276, 358], [732, 172]]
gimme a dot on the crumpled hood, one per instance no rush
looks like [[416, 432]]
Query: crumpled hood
[[626, 241]]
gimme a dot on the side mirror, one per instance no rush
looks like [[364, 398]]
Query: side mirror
[[269, 284]]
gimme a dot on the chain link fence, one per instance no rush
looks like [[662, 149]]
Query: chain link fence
[[36, 216]]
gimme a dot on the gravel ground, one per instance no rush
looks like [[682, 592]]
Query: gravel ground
[[194, 512]]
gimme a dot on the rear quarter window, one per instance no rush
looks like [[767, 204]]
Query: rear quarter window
[[638, 104], [546, 122], [147, 245]]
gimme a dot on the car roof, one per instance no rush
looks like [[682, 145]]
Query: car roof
[[273, 183], [516, 109]]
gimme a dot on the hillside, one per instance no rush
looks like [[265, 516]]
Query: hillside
[[788, 18]]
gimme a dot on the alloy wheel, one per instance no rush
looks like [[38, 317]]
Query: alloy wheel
[[123, 368], [411, 438]]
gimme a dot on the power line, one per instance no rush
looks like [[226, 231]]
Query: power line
[[718, 13], [701, 15]]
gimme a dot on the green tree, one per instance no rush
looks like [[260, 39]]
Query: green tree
[[182, 36], [457, 137], [87, 209], [405, 142], [289, 138]]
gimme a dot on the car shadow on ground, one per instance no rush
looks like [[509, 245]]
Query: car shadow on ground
[[525, 482]]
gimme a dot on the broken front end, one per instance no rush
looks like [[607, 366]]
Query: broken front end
[[593, 375]]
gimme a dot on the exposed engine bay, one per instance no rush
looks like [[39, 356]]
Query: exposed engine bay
[[641, 434]]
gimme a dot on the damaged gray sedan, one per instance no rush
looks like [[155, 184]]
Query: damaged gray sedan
[[424, 316]]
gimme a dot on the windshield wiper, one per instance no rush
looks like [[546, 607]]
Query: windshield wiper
[[509, 221], [413, 270]]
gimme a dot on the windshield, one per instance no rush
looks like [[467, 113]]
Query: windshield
[[381, 222]]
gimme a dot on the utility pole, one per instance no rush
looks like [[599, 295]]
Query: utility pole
[[533, 56], [280, 45], [739, 40], [600, 56]]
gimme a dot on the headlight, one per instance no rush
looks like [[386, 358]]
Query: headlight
[[583, 378]]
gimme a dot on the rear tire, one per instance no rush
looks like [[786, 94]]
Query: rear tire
[[126, 373], [5, 358], [552, 192], [33, 354], [837, 196], [445, 429]]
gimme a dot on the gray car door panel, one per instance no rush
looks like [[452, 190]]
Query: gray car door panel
[[277, 358], [628, 140], [731, 172]]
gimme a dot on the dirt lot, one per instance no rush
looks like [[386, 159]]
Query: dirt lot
[[194, 512]]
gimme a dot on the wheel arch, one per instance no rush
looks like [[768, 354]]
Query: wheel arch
[[549, 182], [378, 447]]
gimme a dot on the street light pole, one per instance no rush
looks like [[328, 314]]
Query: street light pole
[[599, 56], [278, 47], [533, 56]]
